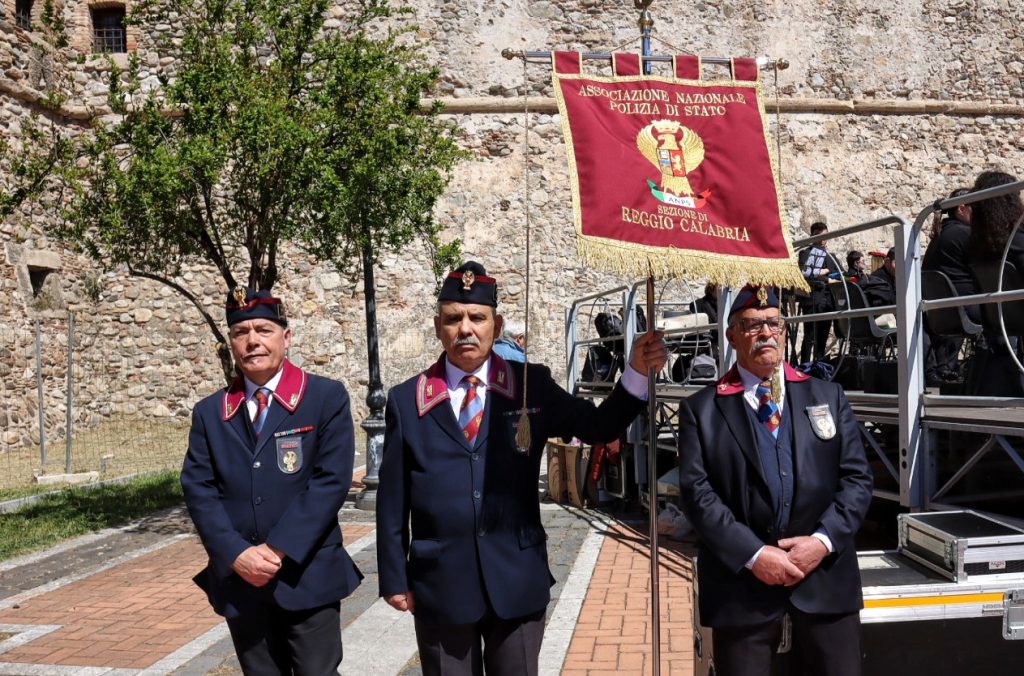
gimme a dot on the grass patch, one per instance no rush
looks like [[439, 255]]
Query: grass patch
[[14, 493], [76, 511]]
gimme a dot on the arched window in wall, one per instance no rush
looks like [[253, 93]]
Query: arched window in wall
[[108, 31]]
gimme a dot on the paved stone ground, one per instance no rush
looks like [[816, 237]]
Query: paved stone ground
[[121, 603]]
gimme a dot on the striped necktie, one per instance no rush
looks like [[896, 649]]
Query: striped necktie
[[262, 397], [472, 412], [768, 410]]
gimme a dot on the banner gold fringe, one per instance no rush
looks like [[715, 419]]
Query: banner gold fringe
[[724, 270]]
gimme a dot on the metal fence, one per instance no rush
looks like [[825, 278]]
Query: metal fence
[[123, 396]]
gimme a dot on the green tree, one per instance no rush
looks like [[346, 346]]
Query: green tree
[[276, 127]]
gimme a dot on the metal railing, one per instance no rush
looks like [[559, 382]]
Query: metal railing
[[925, 480]]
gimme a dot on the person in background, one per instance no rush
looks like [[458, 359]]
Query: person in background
[[880, 286], [994, 223], [708, 303], [947, 253], [512, 344], [817, 265], [774, 478], [856, 266]]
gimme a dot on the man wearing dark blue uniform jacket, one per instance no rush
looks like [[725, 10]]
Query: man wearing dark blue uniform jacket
[[460, 542], [774, 478], [269, 464]]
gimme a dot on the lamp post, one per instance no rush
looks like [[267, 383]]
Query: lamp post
[[375, 397]]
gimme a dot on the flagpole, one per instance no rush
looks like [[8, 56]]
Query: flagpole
[[646, 22]]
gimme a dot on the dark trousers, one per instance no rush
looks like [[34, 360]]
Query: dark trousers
[[821, 645], [276, 642], [815, 333], [492, 645]]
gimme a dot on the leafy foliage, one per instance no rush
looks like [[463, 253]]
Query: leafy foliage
[[276, 127]]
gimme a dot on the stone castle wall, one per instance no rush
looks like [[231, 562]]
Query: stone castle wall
[[839, 162]]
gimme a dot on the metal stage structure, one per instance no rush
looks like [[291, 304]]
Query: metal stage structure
[[929, 449]]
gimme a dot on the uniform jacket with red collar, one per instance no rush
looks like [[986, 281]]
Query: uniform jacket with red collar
[[283, 488], [726, 497], [459, 525]]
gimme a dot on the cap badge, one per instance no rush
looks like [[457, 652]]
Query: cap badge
[[239, 294], [762, 296], [468, 278]]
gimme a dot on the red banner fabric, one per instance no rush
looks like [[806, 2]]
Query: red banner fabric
[[568, 62], [674, 178], [686, 67], [625, 63]]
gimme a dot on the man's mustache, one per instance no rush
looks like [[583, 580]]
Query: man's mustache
[[467, 340], [766, 342]]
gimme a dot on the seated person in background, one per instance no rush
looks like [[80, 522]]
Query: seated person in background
[[856, 266], [512, 344], [880, 286], [708, 303], [817, 265], [993, 371], [947, 253], [993, 220]]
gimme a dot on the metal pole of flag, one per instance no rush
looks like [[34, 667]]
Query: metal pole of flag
[[646, 22], [646, 59]]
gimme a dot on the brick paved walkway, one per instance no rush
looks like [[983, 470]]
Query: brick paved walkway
[[128, 616], [141, 613], [613, 633]]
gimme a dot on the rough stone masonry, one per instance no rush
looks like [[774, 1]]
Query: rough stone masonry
[[884, 108]]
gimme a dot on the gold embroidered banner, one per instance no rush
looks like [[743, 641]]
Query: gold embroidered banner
[[672, 176]]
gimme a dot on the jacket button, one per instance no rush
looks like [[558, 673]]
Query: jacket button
[[475, 457], [481, 532], [258, 501], [256, 465], [476, 495]]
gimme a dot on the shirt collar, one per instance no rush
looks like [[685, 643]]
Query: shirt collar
[[750, 384], [454, 375], [251, 387], [750, 381]]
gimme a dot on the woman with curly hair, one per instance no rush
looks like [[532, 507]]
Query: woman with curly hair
[[993, 219], [993, 372]]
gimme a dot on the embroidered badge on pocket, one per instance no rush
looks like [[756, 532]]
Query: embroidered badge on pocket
[[822, 422]]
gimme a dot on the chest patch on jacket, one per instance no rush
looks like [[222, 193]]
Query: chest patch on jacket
[[822, 422], [289, 454]]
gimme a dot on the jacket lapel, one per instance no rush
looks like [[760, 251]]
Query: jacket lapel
[[500, 392], [798, 397], [732, 408], [235, 413], [239, 424]]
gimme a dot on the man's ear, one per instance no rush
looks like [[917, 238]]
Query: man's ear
[[437, 326], [499, 323]]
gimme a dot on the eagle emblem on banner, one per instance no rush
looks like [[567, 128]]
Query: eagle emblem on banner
[[675, 150]]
